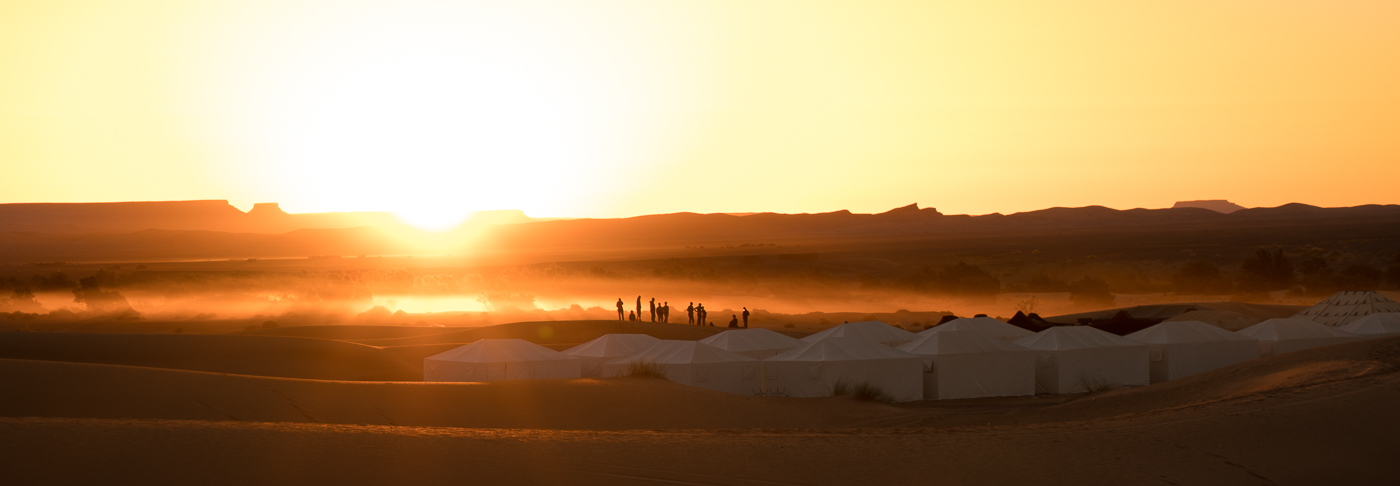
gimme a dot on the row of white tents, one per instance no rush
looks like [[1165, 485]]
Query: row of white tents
[[964, 358]]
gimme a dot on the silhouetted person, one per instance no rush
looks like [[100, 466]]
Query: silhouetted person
[[700, 313], [746, 318], [652, 312], [632, 316], [639, 307], [733, 321], [620, 305], [689, 312], [665, 312]]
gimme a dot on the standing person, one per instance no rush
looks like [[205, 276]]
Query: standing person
[[746, 318], [652, 313], [620, 315], [700, 312], [689, 312], [639, 307], [665, 312]]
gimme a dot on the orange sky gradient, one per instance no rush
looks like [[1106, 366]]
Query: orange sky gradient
[[576, 108]]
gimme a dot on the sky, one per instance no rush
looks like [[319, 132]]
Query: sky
[[585, 108]]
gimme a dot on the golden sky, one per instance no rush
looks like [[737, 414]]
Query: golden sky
[[625, 107]]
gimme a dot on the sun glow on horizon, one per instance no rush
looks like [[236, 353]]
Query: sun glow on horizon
[[607, 108], [432, 110]]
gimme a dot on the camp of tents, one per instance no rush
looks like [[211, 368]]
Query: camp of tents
[[1344, 307], [983, 326], [962, 364], [693, 363], [1375, 325], [594, 354], [499, 359], [1077, 359], [817, 368], [1277, 336], [962, 358], [756, 343], [1178, 349], [875, 331]]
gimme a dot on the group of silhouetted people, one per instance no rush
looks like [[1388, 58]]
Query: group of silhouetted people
[[695, 313], [657, 313]]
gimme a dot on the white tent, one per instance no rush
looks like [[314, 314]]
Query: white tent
[[1183, 348], [1344, 307], [969, 365], [1277, 336], [695, 364], [984, 326], [869, 330], [1225, 319], [607, 348], [1074, 359], [499, 359], [1375, 325], [815, 368], [757, 343]]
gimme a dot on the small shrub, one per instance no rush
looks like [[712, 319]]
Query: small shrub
[[860, 391], [645, 369]]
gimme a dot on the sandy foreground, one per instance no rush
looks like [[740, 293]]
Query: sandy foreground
[[1321, 416]]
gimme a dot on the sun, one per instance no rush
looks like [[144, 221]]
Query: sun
[[433, 110]]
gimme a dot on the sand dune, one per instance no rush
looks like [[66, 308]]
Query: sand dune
[[291, 357], [361, 353], [53, 389], [1321, 416], [347, 332], [552, 332]]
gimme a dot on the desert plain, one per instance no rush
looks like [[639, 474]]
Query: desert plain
[[281, 408]]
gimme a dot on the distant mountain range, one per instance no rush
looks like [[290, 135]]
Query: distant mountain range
[[214, 229], [206, 215]]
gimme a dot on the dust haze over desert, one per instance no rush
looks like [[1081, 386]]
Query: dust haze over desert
[[624, 242]]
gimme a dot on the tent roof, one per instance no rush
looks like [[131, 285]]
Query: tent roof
[[841, 349], [957, 342], [681, 352], [1380, 323], [757, 339], [1344, 307], [1225, 319], [1062, 338], [985, 326], [1170, 332], [1291, 328], [500, 351], [875, 331], [612, 345]]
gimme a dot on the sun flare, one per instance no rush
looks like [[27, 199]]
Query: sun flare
[[433, 111]]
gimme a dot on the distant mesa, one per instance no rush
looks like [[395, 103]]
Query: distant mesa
[[269, 209], [911, 210], [1217, 205]]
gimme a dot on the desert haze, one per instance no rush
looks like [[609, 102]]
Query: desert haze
[[190, 329], [699, 242]]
